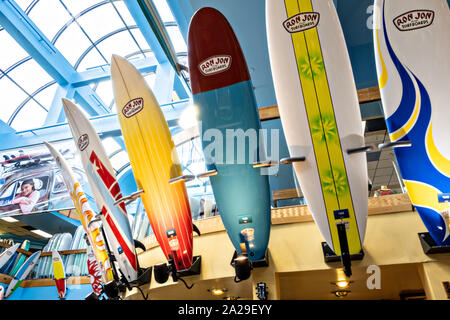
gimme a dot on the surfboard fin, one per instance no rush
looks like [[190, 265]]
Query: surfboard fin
[[292, 160], [196, 230], [394, 144], [129, 198], [360, 149], [139, 245]]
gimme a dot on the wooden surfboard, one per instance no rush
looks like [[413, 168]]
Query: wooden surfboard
[[58, 274], [105, 189], [154, 162], [319, 111], [85, 213], [223, 92], [412, 49]]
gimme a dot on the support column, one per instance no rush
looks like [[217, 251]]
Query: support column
[[433, 275]]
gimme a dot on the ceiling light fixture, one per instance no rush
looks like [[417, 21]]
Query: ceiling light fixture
[[341, 293], [9, 219], [42, 233]]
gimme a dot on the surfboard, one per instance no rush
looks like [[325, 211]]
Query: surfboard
[[319, 111], [105, 189], [21, 257], [58, 274], [223, 92], [2, 292], [85, 213], [8, 254], [22, 273], [154, 162], [411, 42], [95, 275]]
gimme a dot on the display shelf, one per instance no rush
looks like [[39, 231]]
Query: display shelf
[[300, 213], [6, 279]]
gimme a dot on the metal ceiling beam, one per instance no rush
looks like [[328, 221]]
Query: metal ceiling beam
[[80, 79], [153, 30], [105, 125], [182, 12]]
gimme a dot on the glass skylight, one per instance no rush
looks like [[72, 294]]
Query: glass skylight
[[86, 33]]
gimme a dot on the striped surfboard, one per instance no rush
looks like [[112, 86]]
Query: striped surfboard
[[105, 188], [319, 111]]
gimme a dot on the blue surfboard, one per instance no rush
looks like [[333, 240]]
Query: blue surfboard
[[223, 92]]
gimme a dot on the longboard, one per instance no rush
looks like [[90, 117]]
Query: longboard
[[222, 90], [154, 162], [320, 115], [86, 214], [58, 274], [105, 189], [8, 254], [412, 49], [22, 273]]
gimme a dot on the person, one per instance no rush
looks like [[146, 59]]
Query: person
[[28, 198]]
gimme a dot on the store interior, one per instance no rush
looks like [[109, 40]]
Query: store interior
[[64, 49]]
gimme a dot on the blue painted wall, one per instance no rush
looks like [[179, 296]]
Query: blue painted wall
[[74, 292]]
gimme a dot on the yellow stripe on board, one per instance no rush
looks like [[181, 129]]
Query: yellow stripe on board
[[394, 136], [439, 161], [382, 80], [323, 128]]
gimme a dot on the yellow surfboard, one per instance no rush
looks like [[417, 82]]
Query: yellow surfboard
[[154, 162]]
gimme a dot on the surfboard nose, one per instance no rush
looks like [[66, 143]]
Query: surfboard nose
[[214, 53]]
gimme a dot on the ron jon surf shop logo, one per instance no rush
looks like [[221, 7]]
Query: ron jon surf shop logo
[[215, 64], [413, 20], [301, 22], [133, 107], [83, 142]]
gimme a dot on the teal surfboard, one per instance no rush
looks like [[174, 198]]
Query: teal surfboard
[[223, 92]]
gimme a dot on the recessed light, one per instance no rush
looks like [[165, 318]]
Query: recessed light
[[341, 293], [9, 219]]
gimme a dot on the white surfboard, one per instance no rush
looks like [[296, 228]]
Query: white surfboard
[[7, 254], [22, 273], [105, 189], [319, 110], [86, 214], [412, 49]]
